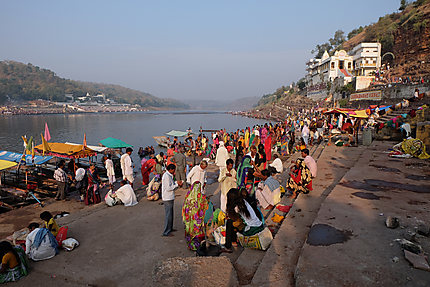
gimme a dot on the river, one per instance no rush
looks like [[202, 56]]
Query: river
[[136, 128]]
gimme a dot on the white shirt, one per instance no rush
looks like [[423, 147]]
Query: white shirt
[[256, 132], [252, 220], [277, 164], [221, 156], [126, 194], [305, 131], [126, 164], [43, 252], [80, 173], [227, 182], [109, 167], [196, 174], [168, 186], [311, 164]]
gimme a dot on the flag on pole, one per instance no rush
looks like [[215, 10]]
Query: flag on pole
[[45, 145], [47, 134], [85, 142], [24, 138], [32, 152], [22, 161], [29, 145]]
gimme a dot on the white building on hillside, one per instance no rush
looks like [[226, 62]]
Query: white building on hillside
[[362, 61], [367, 58]]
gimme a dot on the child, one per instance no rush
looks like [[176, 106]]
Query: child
[[50, 223]]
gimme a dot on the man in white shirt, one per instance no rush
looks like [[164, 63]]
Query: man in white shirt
[[277, 164], [110, 171], [252, 153], [168, 186], [126, 194], [305, 134], [221, 156], [127, 166], [43, 248], [227, 180], [198, 173], [310, 162]]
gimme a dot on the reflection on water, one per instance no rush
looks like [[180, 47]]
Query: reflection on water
[[134, 128]]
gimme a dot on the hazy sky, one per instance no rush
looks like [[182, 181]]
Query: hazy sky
[[179, 49]]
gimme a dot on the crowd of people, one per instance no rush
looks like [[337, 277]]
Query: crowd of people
[[249, 162]]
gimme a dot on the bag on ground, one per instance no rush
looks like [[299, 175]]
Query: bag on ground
[[260, 240]]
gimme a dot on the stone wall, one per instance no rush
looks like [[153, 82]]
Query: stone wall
[[392, 95]]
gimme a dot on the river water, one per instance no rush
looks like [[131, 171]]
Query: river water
[[136, 129]]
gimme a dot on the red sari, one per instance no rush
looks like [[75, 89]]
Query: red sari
[[146, 170], [268, 148]]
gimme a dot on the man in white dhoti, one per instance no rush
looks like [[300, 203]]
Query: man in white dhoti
[[126, 194], [270, 194], [227, 180], [221, 156]]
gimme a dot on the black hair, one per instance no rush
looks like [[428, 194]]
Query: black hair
[[272, 170], [109, 156], [33, 225], [123, 182], [229, 161], [265, 172], [260, 148], [171, 167], [161, 154], [235, 199], [62, 163], [305, 151], [6, 247], [46, 216], [129, 149]]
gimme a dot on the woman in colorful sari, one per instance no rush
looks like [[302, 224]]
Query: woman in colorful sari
[[170, 154], [300, 178], [246, 138], [245, 175], [14, 263], [193, 213], [93, 193], [146, 169]]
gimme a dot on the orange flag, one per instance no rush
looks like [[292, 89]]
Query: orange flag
[[85, 142]]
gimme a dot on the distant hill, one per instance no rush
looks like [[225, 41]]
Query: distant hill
[[241, 104], [21, 82]]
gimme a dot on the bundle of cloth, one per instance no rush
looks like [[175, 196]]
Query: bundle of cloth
[[411, 146]]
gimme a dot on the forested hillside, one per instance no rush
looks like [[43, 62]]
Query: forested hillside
[[21, 82]]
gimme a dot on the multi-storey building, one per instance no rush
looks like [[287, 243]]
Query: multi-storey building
[[362, 62]]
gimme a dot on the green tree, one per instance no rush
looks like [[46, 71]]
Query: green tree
[[338, 39], [403, 5]]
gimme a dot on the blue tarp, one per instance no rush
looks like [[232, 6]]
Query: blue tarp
[[16, 157]]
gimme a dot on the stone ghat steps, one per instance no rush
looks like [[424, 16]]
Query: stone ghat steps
[[249, 260], [278, 265], [393, 114]]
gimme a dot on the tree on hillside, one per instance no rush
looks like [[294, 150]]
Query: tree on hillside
[[338, 39], [403, 5], [331, 45], [355, 32], [301, 84], [320, 49]]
